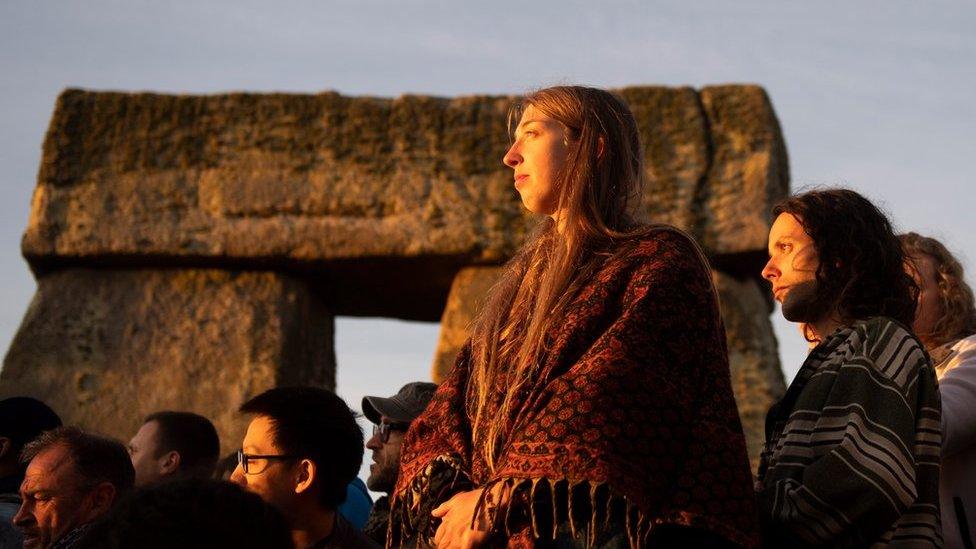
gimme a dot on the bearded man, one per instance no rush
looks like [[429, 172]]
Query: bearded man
[[391, 418], [852, 451]]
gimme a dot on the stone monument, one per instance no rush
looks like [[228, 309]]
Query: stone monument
[[192, 251]]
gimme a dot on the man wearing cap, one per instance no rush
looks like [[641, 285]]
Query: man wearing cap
[[391, 418]]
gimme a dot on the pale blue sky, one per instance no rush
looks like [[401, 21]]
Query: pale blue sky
[[872, 95]]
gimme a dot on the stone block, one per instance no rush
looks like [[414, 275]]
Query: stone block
[[277, 180], [191, 251], [748, 173], [107, 347], [757, 378], [470, 287]]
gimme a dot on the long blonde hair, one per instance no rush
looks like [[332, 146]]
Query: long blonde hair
[[958, 319], [600, 184]]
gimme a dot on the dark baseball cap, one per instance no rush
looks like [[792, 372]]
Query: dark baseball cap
[[402, 407]]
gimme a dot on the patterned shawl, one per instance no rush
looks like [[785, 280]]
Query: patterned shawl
[[631, 418], [852, 450]]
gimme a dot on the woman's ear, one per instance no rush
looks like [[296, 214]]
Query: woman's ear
[[305, 475]]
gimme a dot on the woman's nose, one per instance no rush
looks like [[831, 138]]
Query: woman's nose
[[512, 158]]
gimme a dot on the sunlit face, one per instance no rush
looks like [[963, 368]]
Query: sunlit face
[[143, 451], [537, 157], [929, 297], [792, 265], [386, 460], [273, 480], [53, 500]]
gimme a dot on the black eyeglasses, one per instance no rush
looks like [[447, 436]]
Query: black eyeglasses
[[384, 430], [245, 461]]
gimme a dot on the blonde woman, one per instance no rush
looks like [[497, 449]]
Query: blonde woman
[[592, 404]]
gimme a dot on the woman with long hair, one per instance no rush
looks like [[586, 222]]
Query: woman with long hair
[[592, 404], [945, 321]]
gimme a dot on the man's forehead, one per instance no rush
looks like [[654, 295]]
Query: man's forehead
[[260, 434], [787, 226], [49, 467], [147, 432]]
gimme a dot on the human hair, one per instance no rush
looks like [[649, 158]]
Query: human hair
[[861, 268], [315, 424], [598, 190], [190, 435], [958, 318], [96, 459], [24, 418], [191, 513]]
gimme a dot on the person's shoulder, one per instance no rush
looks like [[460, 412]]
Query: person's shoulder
[[658, 240], [658, 234], [892, 347], [877, 327], [957, 355], [965, 345]]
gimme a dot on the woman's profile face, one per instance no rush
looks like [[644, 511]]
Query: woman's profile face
[[537, 157]]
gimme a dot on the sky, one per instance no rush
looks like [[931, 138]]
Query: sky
[[871, 95]]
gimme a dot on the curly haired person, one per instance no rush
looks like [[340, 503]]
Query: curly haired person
[[852, 450], [946, 323]]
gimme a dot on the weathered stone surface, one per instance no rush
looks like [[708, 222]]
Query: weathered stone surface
[[276, 179], [279, 180], [107, 347], [676, 151], [749, 171], [192, 250], [468, 291], [753, 355]]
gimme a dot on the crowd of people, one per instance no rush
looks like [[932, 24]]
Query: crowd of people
[[592, 405]]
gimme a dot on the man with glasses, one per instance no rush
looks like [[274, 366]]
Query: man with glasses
[[301, 450], [391, 417]]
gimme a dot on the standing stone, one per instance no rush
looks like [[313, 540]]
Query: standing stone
[[674, 132], [107, 347], [191, 251], [757, 379], [467, 295], [748, 173]]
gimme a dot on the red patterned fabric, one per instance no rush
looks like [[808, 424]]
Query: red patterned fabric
[[634, 395]]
